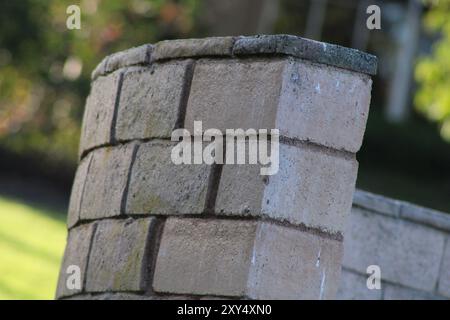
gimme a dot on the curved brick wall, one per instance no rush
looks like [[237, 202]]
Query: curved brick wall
[[409, 243], [142, 227]]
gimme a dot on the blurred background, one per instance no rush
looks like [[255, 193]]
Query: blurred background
[[45, 77]]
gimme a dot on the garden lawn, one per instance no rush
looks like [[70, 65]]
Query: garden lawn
[[32, 242]]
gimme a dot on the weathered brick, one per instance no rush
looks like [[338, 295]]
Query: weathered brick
[[73, 214], [407, 253], [76, 254], [313, 187], [353, 286], [99, 112], [444, 279], [100, 69], [106, 182], [158, 186], [220, 46], [215, 298], [377, 203], [324, 105], [394, 292], [291, 264], [133, 56], [204, 257], [126, 296], [245, 258], [119, 296], [151, 100], [130, 57], [304, 101], [425, 216], [118, 256], [131, 296], [231, 94], [234, 196], [79, 297]]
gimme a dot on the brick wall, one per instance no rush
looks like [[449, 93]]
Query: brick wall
[[142, 227], [409, 243]]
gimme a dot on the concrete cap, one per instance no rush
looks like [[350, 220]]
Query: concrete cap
[[402, 210], [311, 50]]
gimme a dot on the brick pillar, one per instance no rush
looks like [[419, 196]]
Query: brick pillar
[[142, 227]]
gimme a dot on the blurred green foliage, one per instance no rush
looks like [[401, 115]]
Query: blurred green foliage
[[433, 71], [45, 67]]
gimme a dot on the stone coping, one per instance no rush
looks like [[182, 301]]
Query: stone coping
[[402, 210], [315, 51]]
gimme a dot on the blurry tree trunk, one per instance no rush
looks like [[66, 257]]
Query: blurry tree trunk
[[268, 16], [398, 99], [239, 17], [361, 33], [316, 18]]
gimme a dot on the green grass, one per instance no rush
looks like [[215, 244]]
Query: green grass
[[32, 242]]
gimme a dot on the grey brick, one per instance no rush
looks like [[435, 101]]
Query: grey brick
[[170, 49], [99, 112], [133, 56], [393, 292], [78, 297], [158, 186], [120, 296], [304, 101], [312, 187], [354, 287], [76, 254], [307, 49], [126, 296], [73, 214], [324, 105], [425, 216], [118, 256], [100, 69], [377, 203], [408, 254], [444, 279], [151, 100], [291, 264], [231, 94], [236, 258], [204, 257], [234, 196], [214, 298], [106, 182]]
